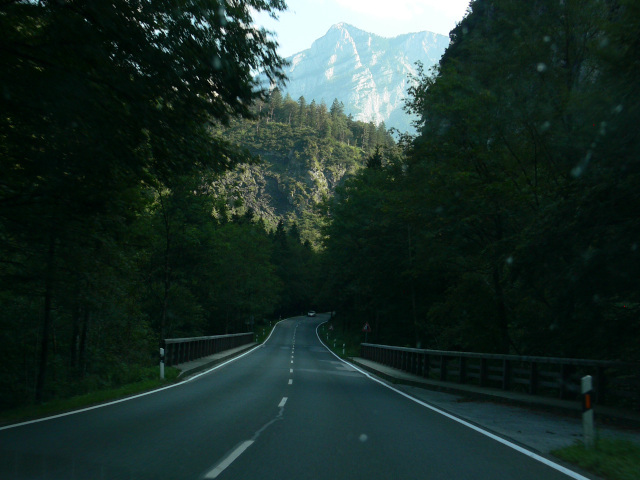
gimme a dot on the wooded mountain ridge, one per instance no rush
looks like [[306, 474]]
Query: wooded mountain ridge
[[305, 151]]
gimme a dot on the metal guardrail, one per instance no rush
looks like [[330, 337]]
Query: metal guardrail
[[180, 350], [614, 382]]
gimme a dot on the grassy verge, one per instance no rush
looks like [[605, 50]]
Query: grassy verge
[[613, 459], [343, 344], [61, 405], [262, 332]]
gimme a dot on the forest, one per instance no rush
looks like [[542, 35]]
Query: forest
[[110, 238], [305, 151], [151, 188], [510, 224]]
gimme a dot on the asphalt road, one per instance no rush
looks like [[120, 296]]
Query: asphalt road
[[287, 410]]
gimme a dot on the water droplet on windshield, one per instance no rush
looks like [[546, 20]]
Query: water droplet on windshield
[[603, 128]]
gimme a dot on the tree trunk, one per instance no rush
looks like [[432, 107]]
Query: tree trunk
[[503, 323], [167, 272], [75, 336], [82, 357], [46, 328], [414, 313]]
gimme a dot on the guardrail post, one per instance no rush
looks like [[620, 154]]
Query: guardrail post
[[506, 374], [443, 368], [600, 385], [427, 365], [533, 378], [483, 372], [565, 377], [463, 370]]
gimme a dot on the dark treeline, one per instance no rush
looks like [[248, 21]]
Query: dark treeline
[[511, 225], [110, 237]]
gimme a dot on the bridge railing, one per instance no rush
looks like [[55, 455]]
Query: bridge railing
[[614, 382], [180, 350]]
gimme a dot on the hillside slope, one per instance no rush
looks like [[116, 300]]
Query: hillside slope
[[299, 167]]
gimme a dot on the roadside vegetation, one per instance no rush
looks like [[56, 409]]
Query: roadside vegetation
[[111, 237], [509, 223], [343, 343], [149, 381], [612, 459]]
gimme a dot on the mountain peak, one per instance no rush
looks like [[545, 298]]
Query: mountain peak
[[346, 30], [367, 72], [344, 26]]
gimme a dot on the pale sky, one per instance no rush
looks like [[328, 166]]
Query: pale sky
[[308, 20]]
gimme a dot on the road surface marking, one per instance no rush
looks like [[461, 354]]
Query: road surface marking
[[290, 381], [189, 379], [291, 370], [218, 469], [518, 448], [282, 402], [291, 361]]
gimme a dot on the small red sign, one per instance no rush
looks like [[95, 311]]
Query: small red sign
[[366, 328]]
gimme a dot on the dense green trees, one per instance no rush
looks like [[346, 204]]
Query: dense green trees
[[108, 240], [328, 123], [514, 203], [302, 160]]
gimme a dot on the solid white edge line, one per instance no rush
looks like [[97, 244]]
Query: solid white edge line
[[73, 412], [218, 469], [282, 402], [504, 441]]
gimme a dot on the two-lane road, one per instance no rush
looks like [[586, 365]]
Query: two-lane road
[[287, 410]]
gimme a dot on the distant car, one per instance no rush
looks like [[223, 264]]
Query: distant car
[[311, 313]]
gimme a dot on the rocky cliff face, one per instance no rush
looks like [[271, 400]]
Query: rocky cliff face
[[368, 73]]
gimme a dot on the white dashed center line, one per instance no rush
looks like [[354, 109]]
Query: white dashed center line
[[218, 469], [282, 402], [290, 381]]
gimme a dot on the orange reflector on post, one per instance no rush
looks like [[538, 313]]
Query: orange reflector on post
[[587, 401]]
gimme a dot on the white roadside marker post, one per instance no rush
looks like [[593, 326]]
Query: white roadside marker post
[[162, 363], [587, 411]]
